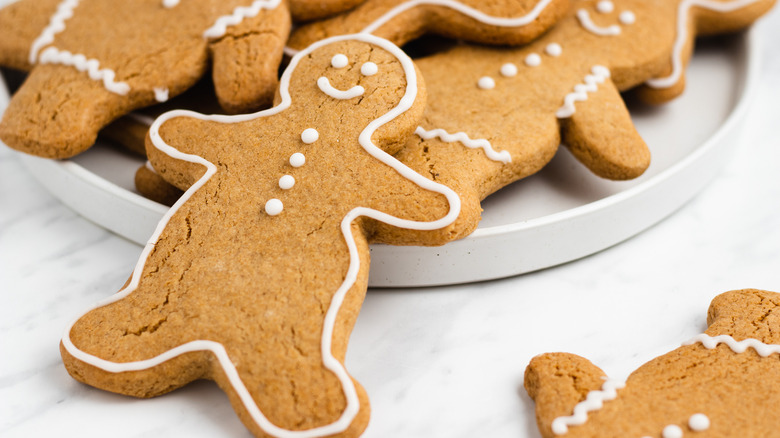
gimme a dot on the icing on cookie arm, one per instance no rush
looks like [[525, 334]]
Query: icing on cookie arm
[[597, 128]]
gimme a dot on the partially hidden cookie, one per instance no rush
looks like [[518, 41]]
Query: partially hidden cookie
[[255, 277], [92, 61], [306, 10], [719, 384], [496, 115], [152, 186], [495, 22]]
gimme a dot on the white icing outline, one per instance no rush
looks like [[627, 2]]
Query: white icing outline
[[463, 138], [219, 28], [710, 342], [53, 55], [55, 26], [593, 402], [584, 17], [457, 6], [580, 94], [324, 84], [329, 361], [682, 30]]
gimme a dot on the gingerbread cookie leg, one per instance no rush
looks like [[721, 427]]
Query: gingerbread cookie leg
[[604, 141]]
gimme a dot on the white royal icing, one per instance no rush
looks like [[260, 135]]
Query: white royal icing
[[533, 60], [508, 70], [219, 28], [553, 49], [286, 182], [710, 342], [297, 159], [463, 138], [699, 422], [592, 27], [339, 60], [161, 94], [335, 93], [600, 74], [52, 55], [329, 361], [369, 69], [309, 135], [273, 207], [486, 83], [170, 3], [605, 6], [55, 26], [627, 17], [672, 431], [593, 402], [682, 30]]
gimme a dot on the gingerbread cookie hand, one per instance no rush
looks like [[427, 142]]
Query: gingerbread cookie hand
[[714, 385], [94, 61], [255, 276]]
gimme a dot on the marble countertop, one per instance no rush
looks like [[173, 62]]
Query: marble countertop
[[436, 362]]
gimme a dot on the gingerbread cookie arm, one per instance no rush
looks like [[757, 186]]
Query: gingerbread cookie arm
[[559, 382], [21, 24], [597, 128], [246, 60], [699, 17], [504, 22], [748, 313]]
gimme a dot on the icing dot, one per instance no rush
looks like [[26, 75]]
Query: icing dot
[[161, 94], [297, 159], [672, 431], [508, 70], [627, 17], [605, 7], [699, 422], [273, 207], [533, 60], [553, 49], [310, 135], [170, 3], [486, 83], [339, 61], [369, 69], [286, 182]]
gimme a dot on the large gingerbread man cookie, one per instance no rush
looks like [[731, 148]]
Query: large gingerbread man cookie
[[496, 115], [91, 61], [256, 275], [722, 383], [400, 21]]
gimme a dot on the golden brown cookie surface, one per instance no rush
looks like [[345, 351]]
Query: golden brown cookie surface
[[719, 384], [92, 61], [255, 277]]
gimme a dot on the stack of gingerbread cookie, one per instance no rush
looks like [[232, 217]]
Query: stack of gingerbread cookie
[[255, 276]]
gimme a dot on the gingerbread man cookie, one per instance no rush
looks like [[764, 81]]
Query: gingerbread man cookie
[[255, 276], [719, 384], [400, 21], [92, 61], [496, 115]]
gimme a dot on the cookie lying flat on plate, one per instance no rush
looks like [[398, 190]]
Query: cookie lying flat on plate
[[496, 115], [93, 60], [255, 277], [719, 384], [400, 21]]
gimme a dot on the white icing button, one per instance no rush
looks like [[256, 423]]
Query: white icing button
[[339, 61], [286, 182], [161, 94], [297, 159], [553, 49], [605, 7], [486, 83], [170, 3], [508, 70], [273, 207], [699, 422], [369, 69], [672, 431], [627, 17], [533, 60], [310, 135]]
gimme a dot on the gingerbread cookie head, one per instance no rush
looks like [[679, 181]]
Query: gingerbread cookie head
[[92, 61], [502, 22], [714, 385], [255, 276]]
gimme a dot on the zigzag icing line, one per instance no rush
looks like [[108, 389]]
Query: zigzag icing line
[[240, 13], [593, 402], [462, 137], [710, 342]]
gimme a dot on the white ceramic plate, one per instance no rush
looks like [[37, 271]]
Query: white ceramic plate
[[561, 214]]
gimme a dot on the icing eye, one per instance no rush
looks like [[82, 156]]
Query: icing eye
[[605, 7], [339, 61], [369, 69], [627, 17]]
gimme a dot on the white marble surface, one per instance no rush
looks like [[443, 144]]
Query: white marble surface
[[436, 362]]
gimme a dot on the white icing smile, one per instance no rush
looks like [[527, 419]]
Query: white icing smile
[[334, 92], [605, 7]]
